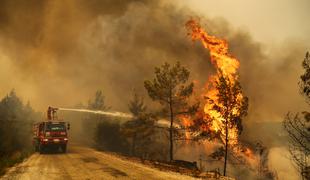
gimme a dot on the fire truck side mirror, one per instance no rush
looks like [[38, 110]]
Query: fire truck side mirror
[[68, 126]]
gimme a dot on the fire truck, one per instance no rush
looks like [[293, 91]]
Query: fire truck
[[51, 134]]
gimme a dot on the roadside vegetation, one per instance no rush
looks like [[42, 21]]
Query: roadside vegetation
[[141, 136], [16, 119]]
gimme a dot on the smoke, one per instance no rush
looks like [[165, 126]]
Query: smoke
[[60, 52], [280, 161], [64, 51]]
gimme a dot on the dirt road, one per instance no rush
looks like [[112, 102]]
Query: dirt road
[[84, 163]]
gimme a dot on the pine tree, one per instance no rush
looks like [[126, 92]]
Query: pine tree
[[170, 89], [232, 107]]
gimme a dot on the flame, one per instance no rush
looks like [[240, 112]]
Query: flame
[[227, 66], [220, 57], [186, 121], [249, 153]]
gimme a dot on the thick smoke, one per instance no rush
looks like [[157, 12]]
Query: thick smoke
[[60, 52]]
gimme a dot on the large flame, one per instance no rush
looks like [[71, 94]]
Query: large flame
[[212, 119], [186, 123], [227, 66]]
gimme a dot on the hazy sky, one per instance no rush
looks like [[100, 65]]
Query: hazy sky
[[61, 52], [267, 20]]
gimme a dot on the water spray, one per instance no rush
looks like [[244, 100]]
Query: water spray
[[108, 113]]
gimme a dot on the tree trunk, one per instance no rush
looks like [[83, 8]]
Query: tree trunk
[[226, 146], [171, 131]]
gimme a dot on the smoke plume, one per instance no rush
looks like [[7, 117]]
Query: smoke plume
[[60, 52]]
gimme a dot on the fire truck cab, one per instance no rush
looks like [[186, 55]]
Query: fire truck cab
[[50, 134]]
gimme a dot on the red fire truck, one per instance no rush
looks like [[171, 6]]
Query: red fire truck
[[51, 134]]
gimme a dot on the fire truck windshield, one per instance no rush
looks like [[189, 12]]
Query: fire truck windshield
[[55, 127]]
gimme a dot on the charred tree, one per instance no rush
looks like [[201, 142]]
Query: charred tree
[[304, 83], [298, 130]]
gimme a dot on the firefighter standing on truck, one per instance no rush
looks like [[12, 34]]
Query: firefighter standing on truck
[[51, 134]]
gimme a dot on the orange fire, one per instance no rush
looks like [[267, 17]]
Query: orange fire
[[186, 123], [227, 66], [212, 118]]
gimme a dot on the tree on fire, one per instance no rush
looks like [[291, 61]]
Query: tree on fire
[[298, 127], [228, 104], [170, 89]]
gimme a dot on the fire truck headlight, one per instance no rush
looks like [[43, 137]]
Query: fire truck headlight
[[66, 139], [45, 140]]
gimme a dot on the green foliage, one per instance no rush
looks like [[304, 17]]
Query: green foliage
[[170, 89], [16, 121], [136, 105], [98, 103], [16, 124], [169, 86], [142, 124], [140, 131], [7, 161], [108, 137], [91, 121]]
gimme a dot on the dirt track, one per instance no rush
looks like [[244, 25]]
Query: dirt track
[[84, 163]]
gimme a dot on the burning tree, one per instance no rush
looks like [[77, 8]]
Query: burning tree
[[225, 103], [170, 89], [298, 127], [225, 110]]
